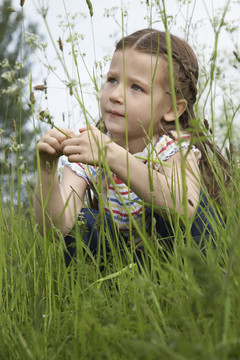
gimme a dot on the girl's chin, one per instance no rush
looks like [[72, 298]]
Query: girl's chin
[[115, 130]]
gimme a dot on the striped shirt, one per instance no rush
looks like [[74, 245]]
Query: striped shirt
[[124, 205]]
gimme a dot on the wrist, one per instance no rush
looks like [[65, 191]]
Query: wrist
[[114, 156]]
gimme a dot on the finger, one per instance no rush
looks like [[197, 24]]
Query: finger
[[52, 142], [74, 141], [60, 135], [87, 128], [80, 158], [47, 149], [81, 130], [68, 132], [75, 158], [68, 150]]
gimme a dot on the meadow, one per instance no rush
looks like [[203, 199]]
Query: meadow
[[177, 305]]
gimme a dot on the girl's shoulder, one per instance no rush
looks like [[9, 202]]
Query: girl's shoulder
[[88, 172], [169, 144]]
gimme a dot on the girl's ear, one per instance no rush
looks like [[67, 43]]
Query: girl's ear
[[181, 107]]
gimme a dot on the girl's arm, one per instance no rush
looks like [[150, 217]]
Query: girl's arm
[[167, 183], [58, 203]]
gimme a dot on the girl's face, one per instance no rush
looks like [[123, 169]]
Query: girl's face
[[128, 97]]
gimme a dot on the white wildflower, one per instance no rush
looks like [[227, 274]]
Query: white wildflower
[[11, 90], [43, 45], [19, 65], [8, 75], [74, 37], [18, 147], [23, 82], [5, 63], [31, 39]]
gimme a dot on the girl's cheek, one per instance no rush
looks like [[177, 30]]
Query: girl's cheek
[[102, 101]]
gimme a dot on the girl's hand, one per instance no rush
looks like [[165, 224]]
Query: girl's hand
[[89, 147], [49, 147]]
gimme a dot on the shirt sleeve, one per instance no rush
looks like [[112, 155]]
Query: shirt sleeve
[[167, 147], [78, 168]]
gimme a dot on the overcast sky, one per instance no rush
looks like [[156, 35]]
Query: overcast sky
[[100, 34]]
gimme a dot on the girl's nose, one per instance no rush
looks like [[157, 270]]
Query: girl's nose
[[117, 94]]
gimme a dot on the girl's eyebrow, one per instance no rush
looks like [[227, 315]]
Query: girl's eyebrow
[[132, 79], [111, 73], [139, 81]]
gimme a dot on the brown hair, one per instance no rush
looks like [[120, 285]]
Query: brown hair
[[185, 67]]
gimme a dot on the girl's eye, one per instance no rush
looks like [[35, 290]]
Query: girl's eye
[[137, 88], [112, 80]]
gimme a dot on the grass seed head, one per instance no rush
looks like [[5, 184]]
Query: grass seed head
[[45, 116], [236, 56], [11, 9], [40, 88], [90, 8], [10, 168], [190, 202], [60, 44], [12, 139], [48, 167], [206, 124], [7, 151], [231, 148], [22, 2], [32, 98]]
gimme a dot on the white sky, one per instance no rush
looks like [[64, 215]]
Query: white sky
[[106, 32]]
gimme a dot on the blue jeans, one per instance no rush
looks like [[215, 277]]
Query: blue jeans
[[201, 230]]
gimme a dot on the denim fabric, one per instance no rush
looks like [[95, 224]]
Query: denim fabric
[[91, 236], [201, 230]]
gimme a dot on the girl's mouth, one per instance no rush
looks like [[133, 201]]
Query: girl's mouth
[[114, 113]]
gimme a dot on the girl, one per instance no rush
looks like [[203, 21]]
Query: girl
[[138, 166]]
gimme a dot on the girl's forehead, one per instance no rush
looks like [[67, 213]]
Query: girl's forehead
[[138, 62]]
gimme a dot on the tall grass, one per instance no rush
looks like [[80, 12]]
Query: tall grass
[[180, 305]]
